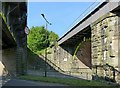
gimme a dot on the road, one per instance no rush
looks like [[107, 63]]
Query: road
[[23, 83]]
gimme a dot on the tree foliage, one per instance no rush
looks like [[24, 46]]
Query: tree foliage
[[40, 38]]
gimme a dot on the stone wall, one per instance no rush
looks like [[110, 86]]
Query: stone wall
[[78, 65], [17, 27], [9, 60], [21, 60], [118, 46], [1, 68], [98, 58], [8, 64], [105, 40], [12, 61], [102, 53]]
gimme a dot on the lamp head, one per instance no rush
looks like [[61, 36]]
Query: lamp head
[[50, 23], [43, 15]]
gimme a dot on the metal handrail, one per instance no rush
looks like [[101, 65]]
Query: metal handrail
[[106, 67], [103, 66]]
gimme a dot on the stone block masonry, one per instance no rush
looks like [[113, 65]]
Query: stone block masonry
[[105, 41], [97, 59], [8, 64]]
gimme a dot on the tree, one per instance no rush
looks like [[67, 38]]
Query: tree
[[53, 38], [39, 38]]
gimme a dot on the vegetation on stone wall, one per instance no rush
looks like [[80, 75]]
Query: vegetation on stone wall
[[3, 16], [78, 46]]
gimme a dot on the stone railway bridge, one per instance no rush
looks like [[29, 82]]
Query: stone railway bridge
[[91, 49], [13, 40]]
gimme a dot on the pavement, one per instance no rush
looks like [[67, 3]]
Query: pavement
[[23, 83], [19, 82]]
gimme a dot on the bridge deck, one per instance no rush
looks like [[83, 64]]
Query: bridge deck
[[7, 38], [101, 10]]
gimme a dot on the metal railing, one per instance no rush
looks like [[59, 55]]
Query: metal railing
[[105, 68]]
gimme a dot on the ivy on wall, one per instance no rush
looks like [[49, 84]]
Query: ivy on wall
[[4, 18], [78, 46]]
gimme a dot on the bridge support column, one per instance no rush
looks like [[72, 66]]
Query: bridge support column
[[105, 41], [21, 61], [118, 46]]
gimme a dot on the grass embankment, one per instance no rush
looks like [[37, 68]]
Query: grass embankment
[[66, 81]]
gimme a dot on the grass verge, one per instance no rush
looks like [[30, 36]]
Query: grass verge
[[67, 81]]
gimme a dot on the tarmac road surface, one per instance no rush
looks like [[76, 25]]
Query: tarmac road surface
[[14, 83]]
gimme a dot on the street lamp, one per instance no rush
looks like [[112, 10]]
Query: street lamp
[[46, 44]]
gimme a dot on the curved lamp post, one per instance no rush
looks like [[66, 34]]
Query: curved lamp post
[[47, 22]]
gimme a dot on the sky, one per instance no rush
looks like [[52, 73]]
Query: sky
[[60, 14]]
